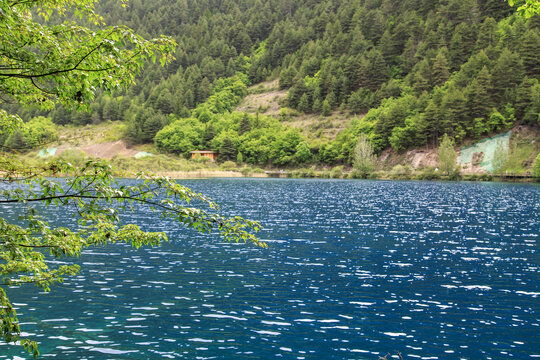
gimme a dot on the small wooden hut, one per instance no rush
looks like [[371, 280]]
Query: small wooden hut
[[212, 155]]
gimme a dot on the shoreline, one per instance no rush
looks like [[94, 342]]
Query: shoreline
[[216, 174]]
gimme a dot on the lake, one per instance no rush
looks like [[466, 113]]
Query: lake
[[354, 269]]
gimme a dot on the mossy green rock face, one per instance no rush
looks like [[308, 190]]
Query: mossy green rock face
[[487, 147]]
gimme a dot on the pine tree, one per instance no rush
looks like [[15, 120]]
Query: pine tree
[[461, 45], [303, 104], [454, 110], [487, 35], [507, 74], [165, 102], [239, 158], [529, 51], [245, 125], [208, 135], [317, 105], [441, 71], [296, 92], [478, 94], [152, 124], [377, 71], [326, 108], [227, 151]]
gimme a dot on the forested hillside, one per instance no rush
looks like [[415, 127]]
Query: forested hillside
[[416, 69]]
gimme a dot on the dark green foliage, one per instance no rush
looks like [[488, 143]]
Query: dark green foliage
[[440, 71], [37, 133], [432, 67], [209, 135], [529, 50], [227, 151], [144, 125], [245, 125], [478, 93]]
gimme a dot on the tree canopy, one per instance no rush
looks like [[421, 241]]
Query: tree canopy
[[43, 62]]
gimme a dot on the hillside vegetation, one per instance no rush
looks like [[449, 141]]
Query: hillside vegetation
[[403, 73]]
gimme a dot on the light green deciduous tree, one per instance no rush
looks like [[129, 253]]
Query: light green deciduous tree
[[500, 156], [447, 155], [363, 156], [42, 63], [526, 8]]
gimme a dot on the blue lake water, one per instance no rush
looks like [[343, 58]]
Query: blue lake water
[[355, 269]]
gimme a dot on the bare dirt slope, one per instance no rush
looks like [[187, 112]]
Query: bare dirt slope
[[268, 99], [98, 141], [264, 97], [104, 150]]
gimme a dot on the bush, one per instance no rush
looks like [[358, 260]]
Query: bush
[[400, 172], [246, 171], [337, 172], [485, 177], [455, 175], [357, 174], [228, 165], [201, 159], [73, 156], [36, 133], [429, 173]]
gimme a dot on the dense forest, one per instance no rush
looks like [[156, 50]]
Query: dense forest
[[407, 72]]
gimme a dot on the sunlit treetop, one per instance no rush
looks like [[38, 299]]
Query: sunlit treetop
[[526, 8]]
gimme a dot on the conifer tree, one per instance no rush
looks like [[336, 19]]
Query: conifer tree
[[529, 51], [377, 72], [245, 125], [326, 108], [227, 151], [303, 104], [487, 35], [478, 94], [441, 71], [454, 110], [209, 135], [507, 74]]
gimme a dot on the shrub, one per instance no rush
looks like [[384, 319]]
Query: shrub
[[201, 159], [337, 172], [429, 173], [228, 165], [400, 172], [246, 171], [455, 175]]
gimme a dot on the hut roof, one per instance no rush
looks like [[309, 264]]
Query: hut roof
[[203, 152]]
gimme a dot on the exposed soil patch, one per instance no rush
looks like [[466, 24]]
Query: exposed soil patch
[[264, 97], [105, 150]]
